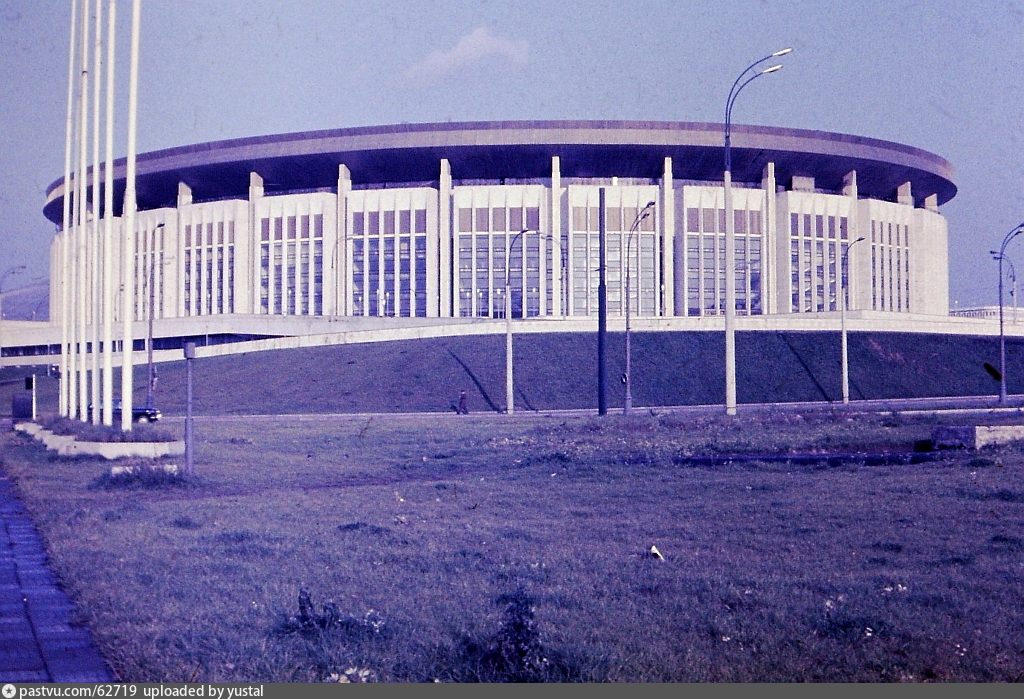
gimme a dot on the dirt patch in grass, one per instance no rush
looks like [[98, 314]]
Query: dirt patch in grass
[[493, 549]]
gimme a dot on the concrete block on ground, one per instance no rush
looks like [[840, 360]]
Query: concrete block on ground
[[976, 437]]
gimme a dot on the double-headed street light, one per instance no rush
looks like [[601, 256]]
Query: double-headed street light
[[748, 75], [1002, 336], [644, 213], [842, 319]]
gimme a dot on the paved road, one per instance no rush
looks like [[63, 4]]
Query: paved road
[[972, 405], [38, 642]]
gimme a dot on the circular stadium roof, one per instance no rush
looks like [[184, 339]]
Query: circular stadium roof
[[497, 150]]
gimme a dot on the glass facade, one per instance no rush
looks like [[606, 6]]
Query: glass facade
[[291, 264], [399, 252], [209, 268], [388, 267], [705, 258]]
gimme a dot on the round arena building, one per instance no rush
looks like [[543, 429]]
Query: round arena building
[[435, 221]]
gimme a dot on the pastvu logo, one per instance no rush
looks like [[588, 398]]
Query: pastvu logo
[[9, 691]]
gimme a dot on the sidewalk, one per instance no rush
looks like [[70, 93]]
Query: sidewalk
[[38, 643]]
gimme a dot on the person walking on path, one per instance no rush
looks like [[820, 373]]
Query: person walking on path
[[463, 410]]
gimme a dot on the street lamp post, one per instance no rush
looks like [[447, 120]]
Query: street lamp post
[[644, 213], [1013, 286], [742, 80], [150, 369], [509, 399], [842, 320], [3, 277], [1002, 336]]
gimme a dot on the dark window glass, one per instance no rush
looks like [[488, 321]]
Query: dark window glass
[[709, 220], [499, 219], [465, 220], [318, 226], [291, 228], [740, 221], [819, 226], [421, 220], [693, 220], [533, 218], [483, 219], [721, 220], [264, 231], [373, 222], [389, 222], [404, 221], [358, 227], [794, 224], [579, 218], [515, 219]]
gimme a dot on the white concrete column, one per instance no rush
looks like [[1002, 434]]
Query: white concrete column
[[556, 243], [337, 247], [904, 195], [94, 232], [444, 275], [666, 294], [255, 244], [771, 264], [859, 258], [181, 214]]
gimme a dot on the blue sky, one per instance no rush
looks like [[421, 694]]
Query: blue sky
[[944, 76]]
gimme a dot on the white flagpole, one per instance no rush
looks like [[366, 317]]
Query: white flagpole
[[128, 232], [81, 219], [108, 228], [94, 230], [64, 280]]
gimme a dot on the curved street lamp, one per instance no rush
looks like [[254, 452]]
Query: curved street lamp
[[1002, 336], [842, 320], [644, 213], [509, 399], [748, 75], [1013, 281]]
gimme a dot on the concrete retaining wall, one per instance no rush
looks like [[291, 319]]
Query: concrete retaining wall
[[67, 445]]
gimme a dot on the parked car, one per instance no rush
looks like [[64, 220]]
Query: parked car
[[140, 413]]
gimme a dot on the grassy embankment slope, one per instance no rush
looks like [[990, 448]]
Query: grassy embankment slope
[[559, 371]]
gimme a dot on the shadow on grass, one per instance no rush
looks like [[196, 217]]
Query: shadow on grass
[[475, 380]]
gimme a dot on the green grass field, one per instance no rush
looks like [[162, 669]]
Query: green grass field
[[488, 548]]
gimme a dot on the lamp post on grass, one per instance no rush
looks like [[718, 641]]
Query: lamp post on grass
[[644, 213], [509, 399], [842, 319], [150, 369], [742, 80], [1002, 336]]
